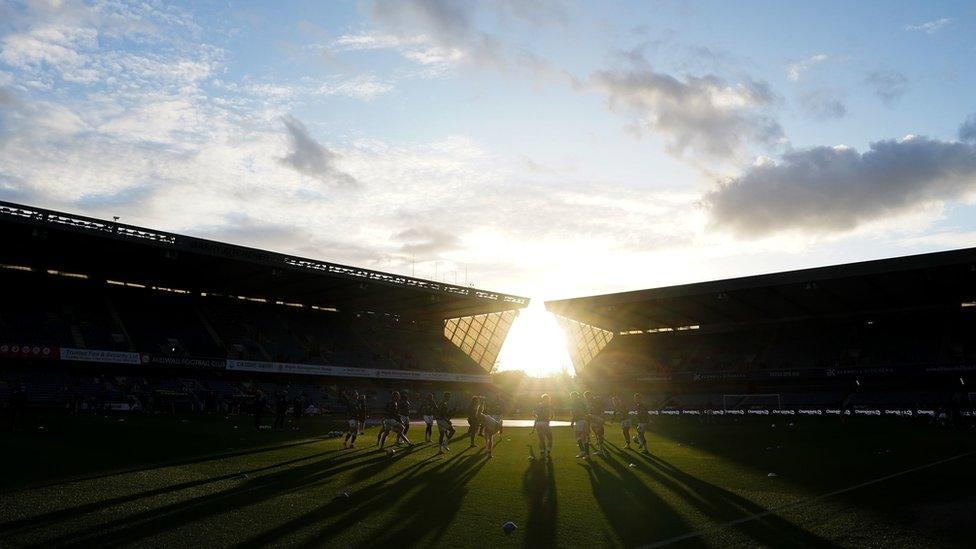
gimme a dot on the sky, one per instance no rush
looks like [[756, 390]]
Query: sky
[[546, 149]]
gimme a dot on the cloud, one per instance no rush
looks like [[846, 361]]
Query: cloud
[[241, 227], [887, 85], [830, 189], [309, 157], [930, 27], [701, 115], [8, 98], [363, 87], [427, 241], [443, 34], [795, 69], [218, 158], [967, 131], [48, 45], [823, 104]]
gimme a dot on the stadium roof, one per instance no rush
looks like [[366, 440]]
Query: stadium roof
[[64, 242], [942, 279]]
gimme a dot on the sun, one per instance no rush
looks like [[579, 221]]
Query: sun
[[535, 345]]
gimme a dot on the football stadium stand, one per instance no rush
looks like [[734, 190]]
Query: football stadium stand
[[98, 311], [889, 331]]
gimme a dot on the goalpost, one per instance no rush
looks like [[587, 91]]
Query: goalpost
[[763, 401]]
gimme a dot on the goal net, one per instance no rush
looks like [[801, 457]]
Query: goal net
[[766, 401]]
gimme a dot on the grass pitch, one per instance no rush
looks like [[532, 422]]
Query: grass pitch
[[214, 481]]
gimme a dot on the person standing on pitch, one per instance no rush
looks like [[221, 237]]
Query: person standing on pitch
[[596, 418], [473, 424], [362, 413], [351, 400], [445, 428], [404, 407], [497, 411], [427, 409], [642, 417], [543, 415], [622, 414], [392, 422], [578, 408], [490, 427]]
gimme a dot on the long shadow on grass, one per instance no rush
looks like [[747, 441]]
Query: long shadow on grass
[[721, 506], [539, 490], [72, 512], [145, 524], [430, 497], [430, 509], [173, 463], [636, 513]]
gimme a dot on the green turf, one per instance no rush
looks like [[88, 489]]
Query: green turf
[[178, 482]]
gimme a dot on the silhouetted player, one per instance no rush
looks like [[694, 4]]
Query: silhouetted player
[[362, 413], [474, 408], [427, 409], [351, 401], [622, 414], [392, 422], [578, 408], [642, 417], [445, 428], [543, 415]]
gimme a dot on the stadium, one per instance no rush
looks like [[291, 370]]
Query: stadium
[[151, 382], [890, 335], [487, 274]]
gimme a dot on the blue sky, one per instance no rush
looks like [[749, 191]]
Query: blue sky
[[545, 148]]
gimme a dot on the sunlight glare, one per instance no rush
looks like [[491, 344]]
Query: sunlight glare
[[535, 344]]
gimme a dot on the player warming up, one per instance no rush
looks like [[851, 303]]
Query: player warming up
[[491, 426], [392, 422], [363, 414], [578, 409], [404, 407], [622, 414], [596, 418], [473, 424], [351, 401], [642, 417], [427, 409], [445, 428], [543, 415]]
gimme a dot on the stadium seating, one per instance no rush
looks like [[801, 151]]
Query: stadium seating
[[879, 340], [70, 313]]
